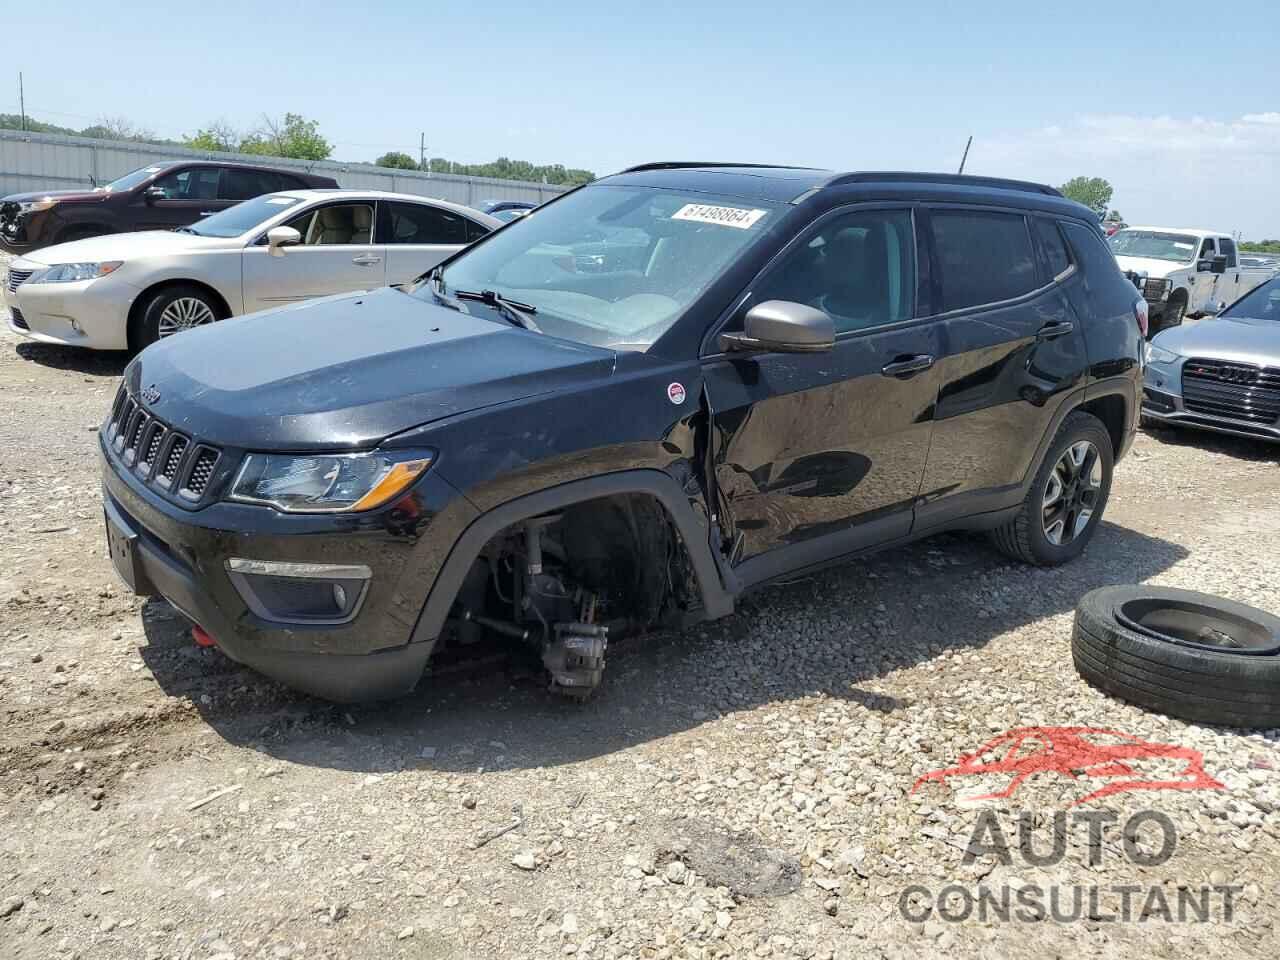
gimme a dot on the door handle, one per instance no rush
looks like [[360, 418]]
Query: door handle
[[366, 260], [1051, 331], [905, 367], [207, 213]]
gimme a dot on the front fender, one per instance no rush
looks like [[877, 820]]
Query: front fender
[[717, 598]]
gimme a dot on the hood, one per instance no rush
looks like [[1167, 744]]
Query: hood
[[59, 195], [348, 371], [1225, 338], [1151, 266], [127, 246]]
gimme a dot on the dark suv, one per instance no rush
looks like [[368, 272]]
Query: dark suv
[[651, 394], [161, 196]]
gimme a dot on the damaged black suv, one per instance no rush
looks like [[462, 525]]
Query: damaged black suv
[[646, 397]]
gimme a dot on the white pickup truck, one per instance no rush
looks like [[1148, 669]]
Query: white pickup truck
[[1183, 272]]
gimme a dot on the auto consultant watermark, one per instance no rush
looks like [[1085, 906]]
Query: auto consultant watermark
[[1038, 839]]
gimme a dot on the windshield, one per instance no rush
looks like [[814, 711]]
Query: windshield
[[1178, 247], [612, 266], [1263, 303], [243, 217], [131, 180]]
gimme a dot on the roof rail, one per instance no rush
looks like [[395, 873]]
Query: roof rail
[[958, 179], [684, 164]]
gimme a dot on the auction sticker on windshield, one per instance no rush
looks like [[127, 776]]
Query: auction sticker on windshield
[[724, 216]]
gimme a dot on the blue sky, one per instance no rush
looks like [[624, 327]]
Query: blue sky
[[1176, 103]]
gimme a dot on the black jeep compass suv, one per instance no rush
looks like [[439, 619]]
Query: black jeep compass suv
[[644, 398]]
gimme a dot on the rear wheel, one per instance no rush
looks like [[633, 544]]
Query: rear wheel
[[172, 310], [1064, 506]]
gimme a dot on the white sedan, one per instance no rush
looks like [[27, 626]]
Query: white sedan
[[127, 290]]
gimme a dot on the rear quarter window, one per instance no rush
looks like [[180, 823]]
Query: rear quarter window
[[982, 257]]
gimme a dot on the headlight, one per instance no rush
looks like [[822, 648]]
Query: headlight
[[325, 483], [35, 206], [68, 272], [1160, 355]]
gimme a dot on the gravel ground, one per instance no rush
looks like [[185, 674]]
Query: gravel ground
[[742, 789]]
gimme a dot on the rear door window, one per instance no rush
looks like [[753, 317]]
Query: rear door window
[[982, 257], [240, 184], [423, 224]]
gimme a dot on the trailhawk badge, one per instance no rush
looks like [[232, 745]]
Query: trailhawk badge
[[675, 393]]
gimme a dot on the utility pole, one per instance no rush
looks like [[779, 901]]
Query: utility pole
[[22, 103], [422, 152], [966, 154]]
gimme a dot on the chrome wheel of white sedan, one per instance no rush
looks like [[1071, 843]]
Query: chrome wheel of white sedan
[[185, 313]]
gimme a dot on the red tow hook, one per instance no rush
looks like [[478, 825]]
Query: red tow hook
[[202, 638]]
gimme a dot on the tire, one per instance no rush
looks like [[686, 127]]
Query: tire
[[1173, 658], [1174, 313], [188, 301], [1029, 535]]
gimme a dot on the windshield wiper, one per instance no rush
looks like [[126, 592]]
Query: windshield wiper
[[435, 284], [520, 314], [185, 230]]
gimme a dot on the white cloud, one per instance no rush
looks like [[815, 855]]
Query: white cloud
[[1197, 171]]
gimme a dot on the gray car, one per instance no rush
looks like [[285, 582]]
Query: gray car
[[1221, 374]]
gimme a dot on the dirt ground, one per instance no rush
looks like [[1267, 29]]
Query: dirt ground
[[742, 789]]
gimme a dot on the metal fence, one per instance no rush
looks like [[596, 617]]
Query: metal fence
[[44, 161]]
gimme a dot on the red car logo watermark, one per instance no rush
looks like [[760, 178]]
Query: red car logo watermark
[[1078, 752]]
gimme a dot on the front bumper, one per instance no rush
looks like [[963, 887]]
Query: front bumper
[[1162, 401], [183, 557], [87, 313]]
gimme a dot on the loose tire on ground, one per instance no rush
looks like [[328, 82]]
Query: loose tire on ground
[[1186, 654], [145, 327], [1025, 537]]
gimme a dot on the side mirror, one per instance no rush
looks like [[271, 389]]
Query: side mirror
[[781, 326], [1218, 264], [152, 194], [280, 237]]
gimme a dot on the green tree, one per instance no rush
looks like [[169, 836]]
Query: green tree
[[397, 160], [1260, 246], [1093, 192], [294, 136], [219, 135], [1114, 215]]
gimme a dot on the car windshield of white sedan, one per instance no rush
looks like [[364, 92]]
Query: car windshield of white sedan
[[243, 217], [1178, 247], [131, 180], [1263, 303], [611, 266]]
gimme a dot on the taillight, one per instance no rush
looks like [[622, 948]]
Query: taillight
[[1140, 314]]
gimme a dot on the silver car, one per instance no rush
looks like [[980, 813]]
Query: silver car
[[1221, 374], [127, 290]]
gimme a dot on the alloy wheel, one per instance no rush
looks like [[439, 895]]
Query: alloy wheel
[[1071, 493], [184, 313]]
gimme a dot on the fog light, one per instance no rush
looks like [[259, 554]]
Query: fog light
[[300, 593]]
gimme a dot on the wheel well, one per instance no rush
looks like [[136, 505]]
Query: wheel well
[[82, 231], [619, 555], [1178, 294], [1113, 411], [142, 299]]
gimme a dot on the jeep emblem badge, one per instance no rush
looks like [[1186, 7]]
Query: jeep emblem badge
[[151, 394], [675, 393]]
